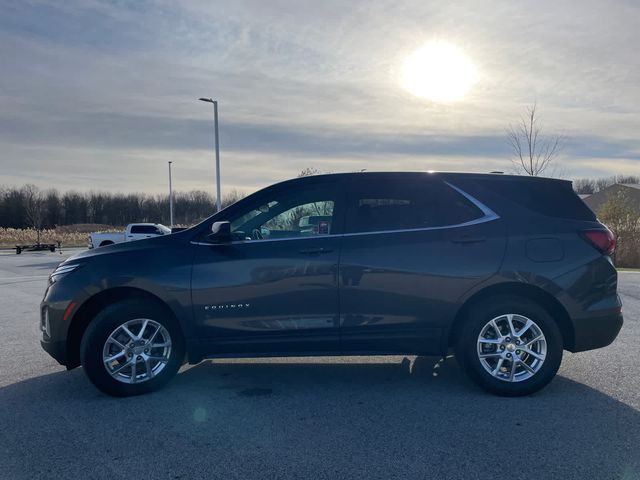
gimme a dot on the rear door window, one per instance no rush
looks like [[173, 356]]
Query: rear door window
[[400, 204], [144, 229]]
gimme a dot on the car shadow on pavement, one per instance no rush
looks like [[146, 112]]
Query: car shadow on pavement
[[306, 418]]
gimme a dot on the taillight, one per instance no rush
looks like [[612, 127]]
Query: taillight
[[603, 240]]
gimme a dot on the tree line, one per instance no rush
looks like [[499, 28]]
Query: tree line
[[588, 186], [31, 207]]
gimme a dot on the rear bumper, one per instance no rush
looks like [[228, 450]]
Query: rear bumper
[[596, 332]]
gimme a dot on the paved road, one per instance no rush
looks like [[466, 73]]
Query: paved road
[[369, 417]]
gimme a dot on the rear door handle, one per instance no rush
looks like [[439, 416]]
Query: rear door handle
[[315, 251], [468, 239]]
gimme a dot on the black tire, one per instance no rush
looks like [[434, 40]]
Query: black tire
[[108, 320], [104, 244], [466, 348]]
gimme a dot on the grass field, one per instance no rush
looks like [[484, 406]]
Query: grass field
[[68, 235]]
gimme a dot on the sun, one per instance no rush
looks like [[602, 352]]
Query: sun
[[439, 71]]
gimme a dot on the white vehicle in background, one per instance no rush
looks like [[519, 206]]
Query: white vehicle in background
[[134, 231]]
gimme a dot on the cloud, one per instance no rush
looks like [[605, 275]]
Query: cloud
[[303, 83]]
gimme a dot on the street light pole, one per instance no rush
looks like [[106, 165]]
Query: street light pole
[[215, 124], [170, 197]]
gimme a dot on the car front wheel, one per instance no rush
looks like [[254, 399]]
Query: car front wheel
[[510, 346], [131, 348]]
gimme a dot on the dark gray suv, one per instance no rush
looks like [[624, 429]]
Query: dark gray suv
[[505, 271]]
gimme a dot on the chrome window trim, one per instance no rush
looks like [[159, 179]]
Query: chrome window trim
[[242, 242], [488, 216], [483, 208]]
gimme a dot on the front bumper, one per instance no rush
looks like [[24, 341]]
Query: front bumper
[[54, 328], [58, 350]]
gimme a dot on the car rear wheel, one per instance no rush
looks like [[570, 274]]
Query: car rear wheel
[[510, 346], [131, 348]]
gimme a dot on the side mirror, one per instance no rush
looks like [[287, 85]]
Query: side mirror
[[220, 232]]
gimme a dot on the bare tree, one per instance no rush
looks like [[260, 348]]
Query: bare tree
[[584, 186], [34, 207], [309, 171], [232, 197], [602, 183], [627, 179], [532, 153]]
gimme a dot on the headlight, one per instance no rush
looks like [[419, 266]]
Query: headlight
[[63, 270]]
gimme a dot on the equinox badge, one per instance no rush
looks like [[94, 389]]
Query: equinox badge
[[226, 306]]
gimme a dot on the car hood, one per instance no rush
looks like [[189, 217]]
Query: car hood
[[125, 247]]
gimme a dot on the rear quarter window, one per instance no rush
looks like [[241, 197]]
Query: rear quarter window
[[549, 198]]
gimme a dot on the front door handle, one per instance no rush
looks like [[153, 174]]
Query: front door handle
[[315, 251], [468, 239]]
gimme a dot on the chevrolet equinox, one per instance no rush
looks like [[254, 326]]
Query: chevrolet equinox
[[505, 271]]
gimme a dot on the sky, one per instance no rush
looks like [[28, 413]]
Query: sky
[[100, 95]]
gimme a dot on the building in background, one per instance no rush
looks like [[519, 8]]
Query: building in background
[[596, 200]]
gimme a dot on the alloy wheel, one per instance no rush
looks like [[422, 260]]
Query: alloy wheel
[[137, 351], [511, 347]]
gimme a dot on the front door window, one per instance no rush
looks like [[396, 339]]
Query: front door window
[[289, 215]]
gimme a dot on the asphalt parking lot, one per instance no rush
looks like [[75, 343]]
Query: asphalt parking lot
[[365, 417]]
